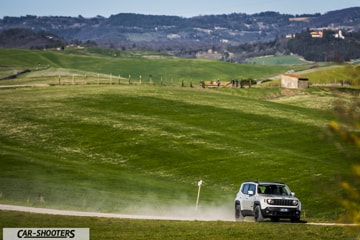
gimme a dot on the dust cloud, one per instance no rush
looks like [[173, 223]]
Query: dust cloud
[[186, 213], [174, 213]]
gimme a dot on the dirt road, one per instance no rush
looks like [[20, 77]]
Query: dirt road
[[129, 216], [205, 215], [83, 214]]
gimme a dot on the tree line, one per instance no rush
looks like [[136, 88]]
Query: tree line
[[328, 48]]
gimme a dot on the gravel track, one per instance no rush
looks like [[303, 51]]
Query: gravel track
[[6, 207], [85, 214]]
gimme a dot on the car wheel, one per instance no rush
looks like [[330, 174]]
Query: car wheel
[[258, 215], [295, 219], [238, 214]]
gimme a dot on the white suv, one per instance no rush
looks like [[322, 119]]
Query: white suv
[[272, 200]]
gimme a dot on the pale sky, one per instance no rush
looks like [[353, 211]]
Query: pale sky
[[182, 8]]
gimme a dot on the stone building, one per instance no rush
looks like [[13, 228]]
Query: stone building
[[294, 81]]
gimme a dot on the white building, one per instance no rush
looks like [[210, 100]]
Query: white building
[[294, 81]]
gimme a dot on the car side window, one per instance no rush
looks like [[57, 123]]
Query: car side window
[[252, 188], [261, 189], [245, 189]]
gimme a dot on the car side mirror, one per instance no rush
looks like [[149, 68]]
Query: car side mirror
[[250, 192], [292, 194]]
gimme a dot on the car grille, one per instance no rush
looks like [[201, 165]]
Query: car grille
[[283, 202]]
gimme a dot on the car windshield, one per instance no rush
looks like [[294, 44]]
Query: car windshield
[[274, 189]]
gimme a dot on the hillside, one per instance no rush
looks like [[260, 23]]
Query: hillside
[[141, 148], [158, 68], [232, 37], [26, 38], [236, 27]]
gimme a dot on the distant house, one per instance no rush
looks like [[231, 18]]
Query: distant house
[[339, 35], [294, 81], [290, 36], [317, 34]]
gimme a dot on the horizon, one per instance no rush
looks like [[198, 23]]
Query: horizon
[[185, 8]]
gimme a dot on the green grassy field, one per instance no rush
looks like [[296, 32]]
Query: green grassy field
[[141, 149], [103, 147], [278, 60], [169, 71], [103, 228], [334, 75]]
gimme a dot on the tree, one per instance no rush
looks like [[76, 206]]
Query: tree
[[349, 132]]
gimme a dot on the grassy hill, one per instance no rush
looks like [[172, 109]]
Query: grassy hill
[[278, 60], [164, 70], [335, 75], [142, 149], [122, 148]]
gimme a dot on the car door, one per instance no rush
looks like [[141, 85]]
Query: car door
[[249, 197]]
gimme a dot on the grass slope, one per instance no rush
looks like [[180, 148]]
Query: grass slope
[[142, 149], [167, 71], [135, 148], [278, 60], [334, 75]]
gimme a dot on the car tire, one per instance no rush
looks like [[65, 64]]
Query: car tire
[[258, 215], [238, 215], [295, 220]]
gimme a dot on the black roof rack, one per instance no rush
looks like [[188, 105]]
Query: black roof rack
[[256, 181]]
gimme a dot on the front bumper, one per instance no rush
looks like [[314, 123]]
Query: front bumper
[[281, 212]]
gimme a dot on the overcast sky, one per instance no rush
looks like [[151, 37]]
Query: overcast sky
[[183, 8]]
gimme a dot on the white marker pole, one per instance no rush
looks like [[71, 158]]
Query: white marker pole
[[198, 196]]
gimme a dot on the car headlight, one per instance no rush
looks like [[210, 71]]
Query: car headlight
[[270, 201], [295, 202]]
